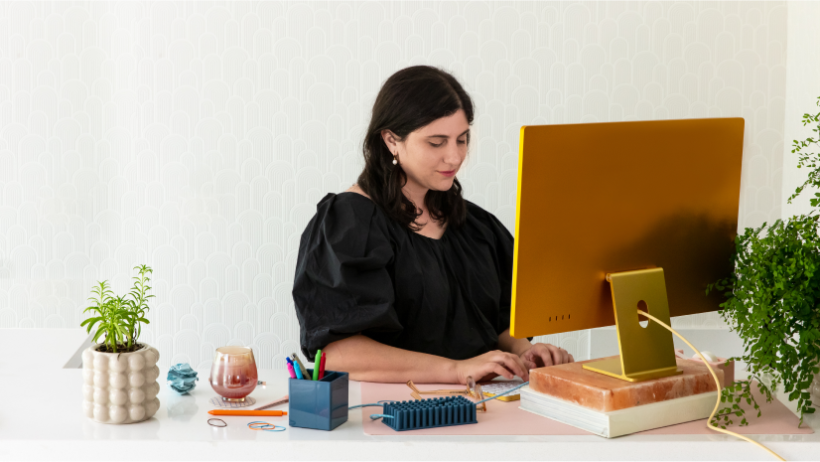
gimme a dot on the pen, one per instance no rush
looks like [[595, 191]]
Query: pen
[[316, 361], [246, 412], [297, 370], [290, 369], [322, 366], [282, 400], [301, 367]]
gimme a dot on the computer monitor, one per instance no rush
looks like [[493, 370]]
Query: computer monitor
[[608, 198]]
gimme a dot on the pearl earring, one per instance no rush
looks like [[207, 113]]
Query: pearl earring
[[395, 161]]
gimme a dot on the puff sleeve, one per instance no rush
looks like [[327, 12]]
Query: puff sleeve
[[343, 285]]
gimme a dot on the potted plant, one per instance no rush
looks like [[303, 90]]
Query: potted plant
[[773, 303], [120, 373]]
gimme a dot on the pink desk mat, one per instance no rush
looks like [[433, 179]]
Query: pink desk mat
[[505, 418]]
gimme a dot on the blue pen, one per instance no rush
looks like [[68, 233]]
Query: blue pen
[[290, 368], [298, 371]]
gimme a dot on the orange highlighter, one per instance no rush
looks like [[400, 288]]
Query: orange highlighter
[[246, 412]]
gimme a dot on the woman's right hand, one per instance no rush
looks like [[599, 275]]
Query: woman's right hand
[[490, 365]]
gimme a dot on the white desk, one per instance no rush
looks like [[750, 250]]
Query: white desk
[[41, 418]]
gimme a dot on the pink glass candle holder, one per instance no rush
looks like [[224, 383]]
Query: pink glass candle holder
[[233, 373]]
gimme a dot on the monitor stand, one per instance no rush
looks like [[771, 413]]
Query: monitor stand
[[646, 352]]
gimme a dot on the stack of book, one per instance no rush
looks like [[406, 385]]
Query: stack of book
[[611, 407]]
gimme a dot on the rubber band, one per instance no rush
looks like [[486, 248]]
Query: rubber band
[[259, 424], [274, 428], [379, 416], [218, 426], [265, 426]]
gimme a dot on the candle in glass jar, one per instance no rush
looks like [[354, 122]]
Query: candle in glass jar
[[233, 373]]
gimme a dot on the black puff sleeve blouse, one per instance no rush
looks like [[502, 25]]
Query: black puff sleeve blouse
[[359, 271]]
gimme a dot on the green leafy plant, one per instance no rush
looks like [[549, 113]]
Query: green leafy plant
[[772, 302], [120, 319]]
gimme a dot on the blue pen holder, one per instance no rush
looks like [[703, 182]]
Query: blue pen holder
[[320, 404]]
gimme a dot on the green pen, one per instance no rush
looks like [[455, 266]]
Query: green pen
[[316, 362]]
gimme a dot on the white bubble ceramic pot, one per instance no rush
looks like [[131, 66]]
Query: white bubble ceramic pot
[[120, 388]]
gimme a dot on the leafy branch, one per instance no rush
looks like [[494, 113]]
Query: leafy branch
[[733, 395], [139, 300], [809, 159]]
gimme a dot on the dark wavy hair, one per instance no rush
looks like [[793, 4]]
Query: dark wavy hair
[[410, 99]]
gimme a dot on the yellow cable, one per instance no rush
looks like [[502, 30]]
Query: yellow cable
[[717, 382]]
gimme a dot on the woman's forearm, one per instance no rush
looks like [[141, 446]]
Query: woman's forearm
[[367, 360], [516, 346]]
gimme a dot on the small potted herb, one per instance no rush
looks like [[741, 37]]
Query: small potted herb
[[773, 303], [120, 373]]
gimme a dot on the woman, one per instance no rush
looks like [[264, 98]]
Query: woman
[[399, 277]]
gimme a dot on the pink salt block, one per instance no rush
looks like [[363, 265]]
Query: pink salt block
[[720, 363], [573, 383]]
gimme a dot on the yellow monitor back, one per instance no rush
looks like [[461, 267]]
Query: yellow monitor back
[[600, 198]]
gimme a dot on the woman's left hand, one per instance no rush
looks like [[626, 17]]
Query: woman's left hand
[[544, 354]]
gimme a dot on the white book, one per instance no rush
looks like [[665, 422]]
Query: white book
[[623, 421]]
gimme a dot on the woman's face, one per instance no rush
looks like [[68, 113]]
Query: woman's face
[[432, 155]]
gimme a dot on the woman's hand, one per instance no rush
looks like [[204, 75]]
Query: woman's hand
[[544, 354], [489, 365]]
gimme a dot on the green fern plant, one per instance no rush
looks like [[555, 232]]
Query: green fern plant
[[119, 319], [773, 301]]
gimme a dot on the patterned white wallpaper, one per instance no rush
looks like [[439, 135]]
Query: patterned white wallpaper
[[197, 137]]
